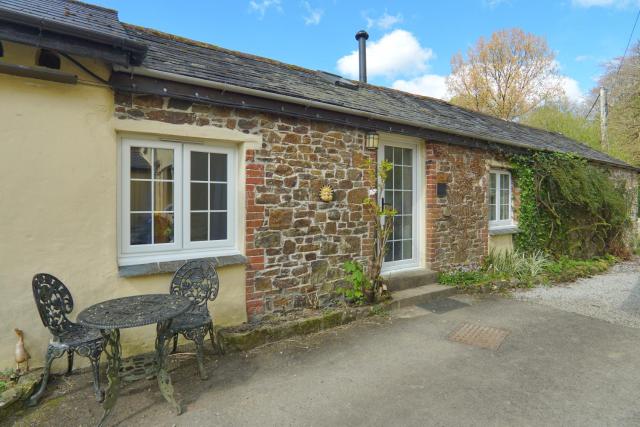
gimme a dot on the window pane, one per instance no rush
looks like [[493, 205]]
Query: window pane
[[492, 197], [199, 198], [218, 226], [140, 196], [388, 255], [218, 197], [397, 202], [163, 164], [407, 225], [397, 156], [407, 178], [388, 153], [140, 229], [218, 167], [140, 162], [407, 249], [504, 196], [397, 177], [199, 166], [199, 229], [397, 227], [407, 156], [163, 196], [407, 202], [162, 228], [397, 251]]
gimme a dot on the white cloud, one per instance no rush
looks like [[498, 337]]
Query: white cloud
[[432, 85], [604, 3], [582, 58], [313, 16], [396, 53], [261, 7], [494, 3], [572, 89], [384, 22]]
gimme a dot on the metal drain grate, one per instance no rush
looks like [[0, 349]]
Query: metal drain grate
[[479, 336]]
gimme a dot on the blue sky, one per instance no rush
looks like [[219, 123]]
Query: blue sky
[[411, 42]]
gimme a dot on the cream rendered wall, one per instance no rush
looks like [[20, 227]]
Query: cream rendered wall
[[501, 243], [58, 207]]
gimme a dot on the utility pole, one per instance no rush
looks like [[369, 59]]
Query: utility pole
[[604, 116]]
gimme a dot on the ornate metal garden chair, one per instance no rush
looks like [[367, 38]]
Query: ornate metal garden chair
[[54, 302], [198, 281]]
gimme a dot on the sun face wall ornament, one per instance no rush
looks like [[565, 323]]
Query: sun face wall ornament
[[326, 193]]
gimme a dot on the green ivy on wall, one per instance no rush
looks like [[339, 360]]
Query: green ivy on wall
[[569, 207]]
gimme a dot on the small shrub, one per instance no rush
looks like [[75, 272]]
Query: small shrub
[[3, 386], [519, 265], [358, 281]]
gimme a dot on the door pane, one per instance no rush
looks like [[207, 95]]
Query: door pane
[[399, 195]]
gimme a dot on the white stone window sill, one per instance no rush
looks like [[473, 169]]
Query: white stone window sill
[[503, 229]]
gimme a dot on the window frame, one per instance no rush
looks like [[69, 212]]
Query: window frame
[[181, 248], [500, 223]]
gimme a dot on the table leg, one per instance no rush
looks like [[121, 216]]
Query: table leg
[[163, 340], [113, 351]]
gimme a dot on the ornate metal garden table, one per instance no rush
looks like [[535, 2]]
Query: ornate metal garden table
[[130, 312]]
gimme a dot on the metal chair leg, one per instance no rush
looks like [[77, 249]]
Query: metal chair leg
[[216, 340], [69, 361], [175, 343], [199, 340], [52, 354]]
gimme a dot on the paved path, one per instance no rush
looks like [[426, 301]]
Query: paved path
[[555, 368], [613, 296]]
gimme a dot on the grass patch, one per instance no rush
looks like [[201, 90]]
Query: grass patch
[[504, 272], [3, 386]]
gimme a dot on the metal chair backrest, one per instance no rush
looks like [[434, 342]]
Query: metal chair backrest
[[198, 281], [54, 302]]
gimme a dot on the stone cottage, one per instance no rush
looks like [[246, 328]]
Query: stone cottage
[[128, 151]]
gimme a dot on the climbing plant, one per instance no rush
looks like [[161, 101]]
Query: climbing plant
[[570, 207]]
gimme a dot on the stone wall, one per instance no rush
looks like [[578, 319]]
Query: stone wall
[[295, 243], [457, 224]]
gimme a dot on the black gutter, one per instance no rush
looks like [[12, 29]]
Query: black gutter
[[136, 49]]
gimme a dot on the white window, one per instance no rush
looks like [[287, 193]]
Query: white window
[[177, 201], [500, 212]]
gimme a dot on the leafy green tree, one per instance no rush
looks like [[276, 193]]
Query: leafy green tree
[[561, 119]]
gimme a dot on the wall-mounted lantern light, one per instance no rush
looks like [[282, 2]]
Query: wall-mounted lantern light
[[372, 141]]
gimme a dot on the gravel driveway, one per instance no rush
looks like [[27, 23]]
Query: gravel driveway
[[613, 296]]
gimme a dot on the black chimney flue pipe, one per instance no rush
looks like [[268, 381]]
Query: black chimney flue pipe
[[362, 36]]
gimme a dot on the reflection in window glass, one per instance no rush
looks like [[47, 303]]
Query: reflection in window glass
[[151, 203], [208, 196]]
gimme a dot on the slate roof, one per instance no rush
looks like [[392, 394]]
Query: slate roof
[[70, 17], [176, 55]]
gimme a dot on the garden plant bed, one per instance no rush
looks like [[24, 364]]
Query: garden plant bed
[[564, 270]]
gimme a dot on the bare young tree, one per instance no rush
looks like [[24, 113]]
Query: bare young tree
[[506, 76]]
